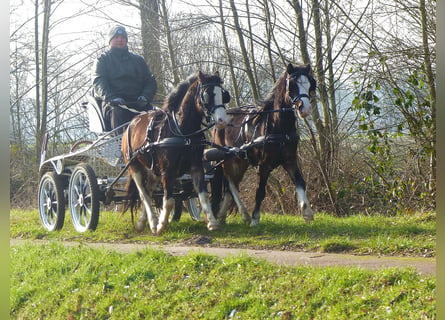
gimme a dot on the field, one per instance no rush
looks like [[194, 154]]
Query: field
[[56, 282]]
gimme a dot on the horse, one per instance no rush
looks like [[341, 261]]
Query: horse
[[163, 144], [266, 137]]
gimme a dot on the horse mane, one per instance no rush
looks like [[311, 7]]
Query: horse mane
[[174, 99], [276, 95]]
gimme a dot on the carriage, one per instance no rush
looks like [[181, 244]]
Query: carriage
[[168, 143], [93, 173]]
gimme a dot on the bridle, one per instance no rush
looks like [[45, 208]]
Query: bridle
[[202, 94], [298, 97]]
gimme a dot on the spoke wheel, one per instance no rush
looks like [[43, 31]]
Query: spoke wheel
[[194, 208], [51, 201], [84, 198]]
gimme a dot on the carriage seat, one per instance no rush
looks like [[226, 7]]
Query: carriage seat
[[95, 116]]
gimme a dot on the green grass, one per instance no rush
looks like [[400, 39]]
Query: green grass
[[56, 282], [403, 235]]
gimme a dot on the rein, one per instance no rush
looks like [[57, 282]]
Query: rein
[[255, 113], [177, 131]]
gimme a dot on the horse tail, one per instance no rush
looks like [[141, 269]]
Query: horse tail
[[132, 196]]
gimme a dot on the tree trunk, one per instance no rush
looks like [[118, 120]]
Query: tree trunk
[[171, 51], [229, 56], [150, 42], [41, 128], [432, 87], [246, 61], [323, 148], [269, 28], [37, 58], [252, 49]]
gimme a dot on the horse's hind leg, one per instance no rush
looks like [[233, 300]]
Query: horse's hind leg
[[300, 190], [239, 203], [201, 190], [260, 195], [142, 220], [145, 198]]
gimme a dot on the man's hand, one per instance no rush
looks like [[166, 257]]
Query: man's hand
[[141, 101], [117, 101]]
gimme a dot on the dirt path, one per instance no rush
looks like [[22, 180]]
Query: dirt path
[[423, 265]]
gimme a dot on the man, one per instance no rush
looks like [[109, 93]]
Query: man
[[122, 80]]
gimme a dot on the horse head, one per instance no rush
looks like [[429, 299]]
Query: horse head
[[300, 85], [212, 97]]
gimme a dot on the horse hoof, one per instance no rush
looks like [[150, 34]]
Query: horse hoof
[[254, 222], [247, 219], [308, 216], [160, 229], [139, 227], [212, 227]]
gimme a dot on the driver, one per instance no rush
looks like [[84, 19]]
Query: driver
[[122, 80]]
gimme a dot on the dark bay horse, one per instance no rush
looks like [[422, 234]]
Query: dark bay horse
[[267, 137], [166, 143]]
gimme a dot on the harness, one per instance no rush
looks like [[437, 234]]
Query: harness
[[281, 139]]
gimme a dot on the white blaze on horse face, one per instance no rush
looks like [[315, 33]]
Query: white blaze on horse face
[[304, 85], [219, 114]]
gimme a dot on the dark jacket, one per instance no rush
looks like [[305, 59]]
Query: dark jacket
[[118, 73]]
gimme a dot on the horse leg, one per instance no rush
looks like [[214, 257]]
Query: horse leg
[[225, 204], [168, 204], [201, 189], [142, 220], [300, 190], [234, 170], [145, 198], [239, 203], [260, 194]]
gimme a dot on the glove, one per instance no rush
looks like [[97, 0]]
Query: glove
[[141, 101], [117, 101]]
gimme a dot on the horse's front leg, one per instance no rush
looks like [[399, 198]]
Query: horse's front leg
[[197, 174], [264, 173], [300, 190], [168, 203]]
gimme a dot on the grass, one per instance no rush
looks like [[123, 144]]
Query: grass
[[56, 282], [403, 235]]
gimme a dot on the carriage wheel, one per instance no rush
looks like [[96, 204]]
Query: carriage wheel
[[51, 201], [84, 198], [194, 208]]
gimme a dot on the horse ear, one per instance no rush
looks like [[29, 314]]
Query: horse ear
[[216, 73], [312, 80], [200, 76], [290, 68]]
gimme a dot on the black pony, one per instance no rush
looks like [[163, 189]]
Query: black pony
[[166, 143], [266, 137]]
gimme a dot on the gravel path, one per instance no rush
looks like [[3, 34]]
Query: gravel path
[[423, 265]]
